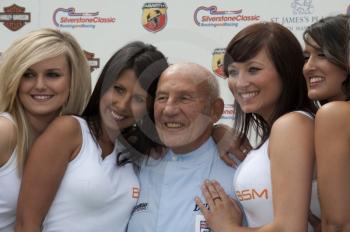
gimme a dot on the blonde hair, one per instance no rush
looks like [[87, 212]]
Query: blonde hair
[[35, 47]]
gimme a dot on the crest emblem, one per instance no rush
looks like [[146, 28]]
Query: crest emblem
[[302, 7], [14, 17], [94, 63], [217, 62], [154, 16]]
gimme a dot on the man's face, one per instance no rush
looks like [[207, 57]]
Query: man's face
[[182, 111]]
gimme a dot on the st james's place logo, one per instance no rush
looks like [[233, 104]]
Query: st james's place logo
[[217, 62], [70, 18], [302, 7], [212, 17], [302, 15], [14, 17], [154, 16]]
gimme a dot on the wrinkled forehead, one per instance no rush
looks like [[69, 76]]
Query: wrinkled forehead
[[188, 77]]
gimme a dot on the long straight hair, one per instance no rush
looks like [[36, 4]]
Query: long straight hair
[[35, 47], [147, 63]]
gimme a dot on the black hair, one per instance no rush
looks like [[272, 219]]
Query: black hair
[[147, 63]]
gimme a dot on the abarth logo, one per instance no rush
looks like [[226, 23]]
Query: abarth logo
[[217, 62], [154, 16]]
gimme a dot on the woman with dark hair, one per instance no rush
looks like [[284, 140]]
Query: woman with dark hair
[[72, 181], [326, 72], [273, 184]]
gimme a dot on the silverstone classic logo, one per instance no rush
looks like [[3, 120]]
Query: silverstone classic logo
[[14, 17], [212, 17], [229, 112], [69, 18]]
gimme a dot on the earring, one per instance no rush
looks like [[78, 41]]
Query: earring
[[139, 122]]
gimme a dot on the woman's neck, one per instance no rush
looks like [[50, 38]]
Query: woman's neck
[[107, 141]]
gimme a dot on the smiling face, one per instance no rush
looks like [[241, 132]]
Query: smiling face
[[323, 78], [123, 104], [182, 110], [44, 87], [255, 85]]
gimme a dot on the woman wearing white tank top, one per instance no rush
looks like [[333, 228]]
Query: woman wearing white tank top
[[273, 184], [74, 169], [43, 74], [326, 71]]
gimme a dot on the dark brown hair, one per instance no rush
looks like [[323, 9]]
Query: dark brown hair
[[331, 34], [285, 52]]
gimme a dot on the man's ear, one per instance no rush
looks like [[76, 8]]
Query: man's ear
[[217, 109]]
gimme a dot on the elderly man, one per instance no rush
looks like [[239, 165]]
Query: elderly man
[[187, 105]]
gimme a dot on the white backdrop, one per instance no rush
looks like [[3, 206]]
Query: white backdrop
[[185, 30]]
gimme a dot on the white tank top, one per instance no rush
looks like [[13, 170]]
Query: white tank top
[[252, 183], [95, 194], [9, 189]]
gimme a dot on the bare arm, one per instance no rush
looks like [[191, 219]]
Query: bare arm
[[7, 139], [292, 155], [332, 142], [44, 171]]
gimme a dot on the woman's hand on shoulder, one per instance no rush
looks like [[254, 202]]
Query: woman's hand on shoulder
[[229, 145]]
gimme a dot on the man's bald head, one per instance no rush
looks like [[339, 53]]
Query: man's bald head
[[198, 74]]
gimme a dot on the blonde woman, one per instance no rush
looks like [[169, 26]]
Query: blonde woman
[[44, 74]]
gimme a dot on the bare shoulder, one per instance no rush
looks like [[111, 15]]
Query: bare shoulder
[[293, 122], [63, 136], [64, 125], [334, 113], [292, 141], [7, 139], [292, 133], [332, 121], [7, 127]]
